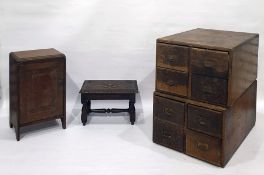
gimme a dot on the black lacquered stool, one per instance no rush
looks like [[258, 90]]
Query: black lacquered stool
[[108, 90]]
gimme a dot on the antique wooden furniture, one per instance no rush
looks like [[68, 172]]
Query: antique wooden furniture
[[205, 98], [108, 90], [37, 87]]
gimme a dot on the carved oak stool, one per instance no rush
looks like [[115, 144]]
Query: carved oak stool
[[108, 90]]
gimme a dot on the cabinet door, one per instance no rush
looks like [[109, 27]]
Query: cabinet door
[[41, 89]]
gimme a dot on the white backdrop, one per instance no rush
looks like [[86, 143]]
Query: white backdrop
[[115, 39]]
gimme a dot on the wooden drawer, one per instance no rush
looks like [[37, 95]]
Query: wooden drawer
[[172, 56], [209, 62], [170, 110], [209, 89], [204, 147], [171, 81], [204, 120], [168, 135]]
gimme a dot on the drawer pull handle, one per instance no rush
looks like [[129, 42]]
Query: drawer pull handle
[[200, 121], [208, 64], [170, 58], [170, 83], [203, 146], [166, 134], [208, 90], [168, 111]]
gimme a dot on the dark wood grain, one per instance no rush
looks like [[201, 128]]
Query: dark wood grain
[[169, 110], [222, 129], [229, 56], [244, 68], [204, 147], [209, 62], [205, 120], [239, 121], [206, 86], [37, 87], [209, 89], [41, 91], [172, 56], [168, 134], [208, 39], [171, 81], [108, 90], [109, 86]]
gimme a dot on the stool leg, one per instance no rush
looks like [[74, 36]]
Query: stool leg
[[86, 109], [132, 112]]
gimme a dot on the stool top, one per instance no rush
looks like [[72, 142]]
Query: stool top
[[109, 86], [29, 55]]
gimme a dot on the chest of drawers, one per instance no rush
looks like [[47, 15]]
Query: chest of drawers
[[205, 98], [37, 87]]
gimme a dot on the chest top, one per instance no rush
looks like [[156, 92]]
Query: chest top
[[30, 55], [208, 38]]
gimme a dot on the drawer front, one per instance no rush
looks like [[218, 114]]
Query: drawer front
[[172, 56], [209, 62], [209, 89], [168, 135], [170, 110], [204, 120], [171, 81], [204, 147]]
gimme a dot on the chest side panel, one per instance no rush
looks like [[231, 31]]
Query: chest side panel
[[244, 68]]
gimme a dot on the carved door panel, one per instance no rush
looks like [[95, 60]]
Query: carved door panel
[[41, 91]]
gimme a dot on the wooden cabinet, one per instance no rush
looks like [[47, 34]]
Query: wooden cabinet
[[206, 90], [218, 60], [37, 87]]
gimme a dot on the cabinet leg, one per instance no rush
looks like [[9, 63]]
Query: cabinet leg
[[63, 122], [132, 112], [17, 129], [11, 125]]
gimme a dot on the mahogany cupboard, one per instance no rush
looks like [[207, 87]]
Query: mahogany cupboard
[[37, 87]]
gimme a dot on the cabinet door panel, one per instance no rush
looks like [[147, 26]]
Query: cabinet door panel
[[41, 91]]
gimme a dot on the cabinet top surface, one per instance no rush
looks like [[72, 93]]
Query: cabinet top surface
[[208, 38], [109, 86], [36, 54]]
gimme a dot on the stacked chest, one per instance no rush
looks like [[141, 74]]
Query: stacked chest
[[205, 98]]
